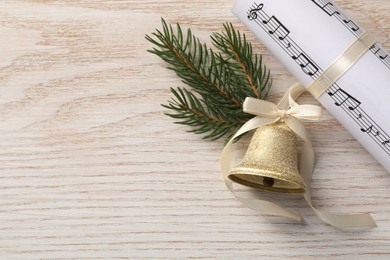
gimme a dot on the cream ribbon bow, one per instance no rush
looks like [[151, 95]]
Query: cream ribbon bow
[[290, 112]]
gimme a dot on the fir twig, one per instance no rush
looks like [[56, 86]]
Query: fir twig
[[191, 111], [219, 81], [235, 46]]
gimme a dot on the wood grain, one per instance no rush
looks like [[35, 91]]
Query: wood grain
[[91, 168]]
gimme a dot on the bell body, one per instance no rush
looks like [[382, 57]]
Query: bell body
[[271, 161]]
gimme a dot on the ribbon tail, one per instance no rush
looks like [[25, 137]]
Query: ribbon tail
[[263, 206], [363, 220]]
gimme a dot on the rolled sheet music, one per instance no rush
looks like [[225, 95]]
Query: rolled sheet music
[[307, 36]]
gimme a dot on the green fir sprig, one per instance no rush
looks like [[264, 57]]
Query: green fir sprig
[[218, 82]]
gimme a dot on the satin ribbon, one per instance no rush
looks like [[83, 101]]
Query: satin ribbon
[[290, 112], [341, 65]]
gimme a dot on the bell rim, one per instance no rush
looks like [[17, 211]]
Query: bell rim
[[300, 185]]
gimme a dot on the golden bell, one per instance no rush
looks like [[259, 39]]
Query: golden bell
[[271, 161]]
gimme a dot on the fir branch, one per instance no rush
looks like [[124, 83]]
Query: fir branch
[[192, 61], [191, 111], [219, 81], [239, 51]]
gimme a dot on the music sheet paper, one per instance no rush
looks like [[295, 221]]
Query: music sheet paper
[[307, 36]]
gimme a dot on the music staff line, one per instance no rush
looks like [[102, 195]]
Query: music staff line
[[329, 8], [352, 106], [280, 34], [271, 25]]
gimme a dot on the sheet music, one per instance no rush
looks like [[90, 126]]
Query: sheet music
[[307, 36]]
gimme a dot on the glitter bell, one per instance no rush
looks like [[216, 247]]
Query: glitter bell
[[271, 161]]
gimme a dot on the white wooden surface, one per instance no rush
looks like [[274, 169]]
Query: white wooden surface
[[91, 168]]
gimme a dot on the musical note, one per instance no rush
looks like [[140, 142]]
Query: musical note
[[382, 54], [379, 52], [307, 65], [253, 12], [330, 9], [351, 25], [367, 130], [386, 142], [345, 97], [280, 30], [375, 48]]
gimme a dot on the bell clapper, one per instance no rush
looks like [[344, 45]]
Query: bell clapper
[[268, 182]]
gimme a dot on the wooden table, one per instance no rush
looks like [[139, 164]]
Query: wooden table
[[91, 168]]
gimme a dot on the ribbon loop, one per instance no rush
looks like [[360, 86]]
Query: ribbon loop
[[260, 107], [288, 110]]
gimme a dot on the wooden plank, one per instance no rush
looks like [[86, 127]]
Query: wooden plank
[[91, 168]]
